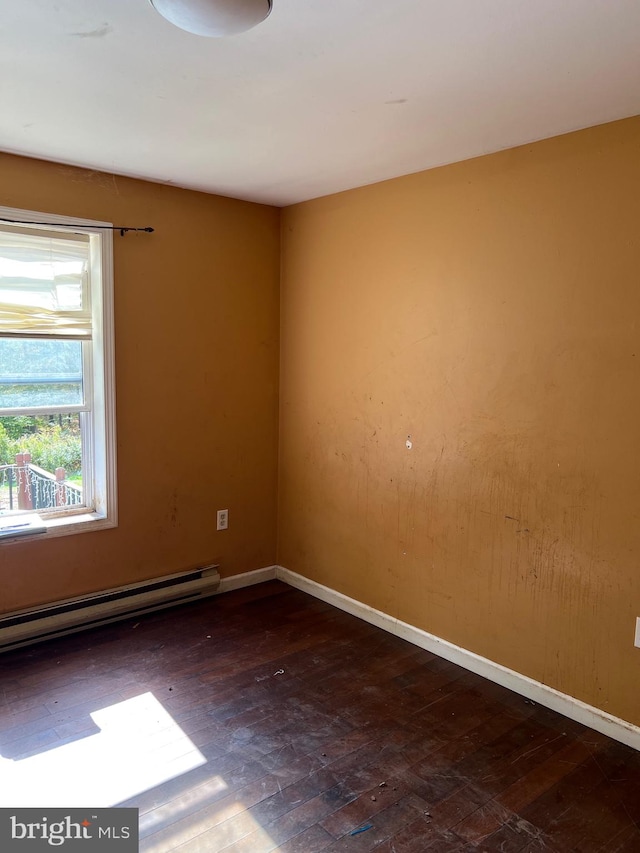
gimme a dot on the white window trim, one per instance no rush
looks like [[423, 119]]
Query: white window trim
[[103, 441]]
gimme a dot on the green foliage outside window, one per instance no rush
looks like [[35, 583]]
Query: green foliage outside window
[[52, 442]]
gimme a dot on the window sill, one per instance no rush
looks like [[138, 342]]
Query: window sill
[[61, 526]]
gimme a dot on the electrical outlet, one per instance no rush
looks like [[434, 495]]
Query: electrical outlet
[[637, 640], [223, 519]]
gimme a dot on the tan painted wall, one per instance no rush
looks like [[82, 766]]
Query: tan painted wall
[[196, 310], [490, 310]]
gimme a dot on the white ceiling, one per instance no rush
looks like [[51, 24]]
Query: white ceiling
[[323, 96]]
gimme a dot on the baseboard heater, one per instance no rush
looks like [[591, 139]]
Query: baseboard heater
[[23, 627]]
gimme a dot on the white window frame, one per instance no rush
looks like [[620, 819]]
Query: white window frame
[[99, 430]]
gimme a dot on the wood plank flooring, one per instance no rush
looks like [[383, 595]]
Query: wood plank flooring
[[266, 720]]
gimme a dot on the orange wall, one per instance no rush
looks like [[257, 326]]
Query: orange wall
[[489, 310], [196, 316]]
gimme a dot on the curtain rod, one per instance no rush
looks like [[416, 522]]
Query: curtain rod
[[123, 229]]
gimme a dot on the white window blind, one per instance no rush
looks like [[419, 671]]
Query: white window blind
[[44, 287]]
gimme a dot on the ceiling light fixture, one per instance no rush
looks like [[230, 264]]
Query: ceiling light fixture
[[213, 18]]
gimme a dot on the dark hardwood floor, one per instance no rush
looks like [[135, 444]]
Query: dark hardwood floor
[[266, 720]]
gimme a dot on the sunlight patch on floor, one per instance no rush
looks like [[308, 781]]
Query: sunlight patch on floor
[[214, 830], [139, 746], [192, 800]]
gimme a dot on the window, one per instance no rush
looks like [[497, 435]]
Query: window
[[57, 418]]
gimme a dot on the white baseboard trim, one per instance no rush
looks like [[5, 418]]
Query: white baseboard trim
[[587, 715], [247, 579]]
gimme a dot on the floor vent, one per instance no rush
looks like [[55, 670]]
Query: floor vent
[[24, 627]]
